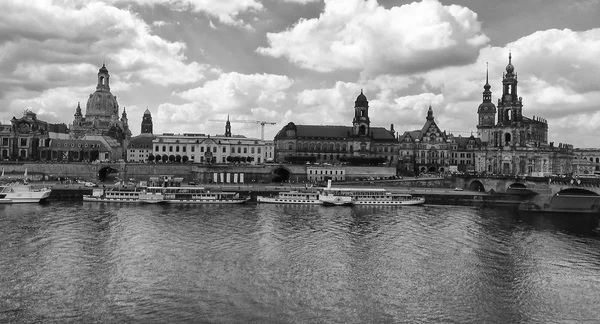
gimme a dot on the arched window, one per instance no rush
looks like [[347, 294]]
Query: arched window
[[330, 147], [318, 146], [362, 130], [507, 139], [337, 147], [344, 147]]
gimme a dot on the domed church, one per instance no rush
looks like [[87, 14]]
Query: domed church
[[102, 113]]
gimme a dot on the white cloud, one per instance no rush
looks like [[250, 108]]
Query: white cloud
[[94, 32], [362, 35], [227, 11], [158, 23], [242, 96]]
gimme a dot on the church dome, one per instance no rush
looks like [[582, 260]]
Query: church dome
[[102, 103]]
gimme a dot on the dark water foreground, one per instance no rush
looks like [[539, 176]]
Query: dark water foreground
[[103, 263]]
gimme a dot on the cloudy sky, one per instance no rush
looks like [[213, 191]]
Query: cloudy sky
[[305, 61]]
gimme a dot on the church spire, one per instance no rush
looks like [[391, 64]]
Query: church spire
[[430, 113], [228, 127]]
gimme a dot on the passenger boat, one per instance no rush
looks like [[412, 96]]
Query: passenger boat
[[292, 197], [22, 193], [114, 195], [366, 196], [190, 195]]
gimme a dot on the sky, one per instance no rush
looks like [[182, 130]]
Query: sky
[[192, 63]]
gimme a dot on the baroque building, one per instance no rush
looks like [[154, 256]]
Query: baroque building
[[102, 113], [333, 144], [430, 149], [514, 144], [27, 138]]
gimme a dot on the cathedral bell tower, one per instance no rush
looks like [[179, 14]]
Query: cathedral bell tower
[[510, 106], [486, 113], [361, 123]]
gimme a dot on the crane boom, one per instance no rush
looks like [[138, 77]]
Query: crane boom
[[262, 124]]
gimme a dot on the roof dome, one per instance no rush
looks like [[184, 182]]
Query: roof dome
[[147, 112], [487, 107], [103, 69], [361, 100], [102, 103], [510, 68]]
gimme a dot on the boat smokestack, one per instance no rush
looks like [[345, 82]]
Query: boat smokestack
[[329, 184]]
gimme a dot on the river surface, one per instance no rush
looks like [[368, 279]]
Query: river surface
[[74, 262]]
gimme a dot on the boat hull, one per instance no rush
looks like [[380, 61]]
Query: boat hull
[[418, 201], [110, 200], [206, 201], [273, 200]]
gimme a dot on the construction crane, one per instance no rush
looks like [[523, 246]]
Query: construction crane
[[262, 124]]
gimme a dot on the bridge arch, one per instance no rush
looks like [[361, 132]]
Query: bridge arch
[[107, 172], [476, 185], [281, 174]]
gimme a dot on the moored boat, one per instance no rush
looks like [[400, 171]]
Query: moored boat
[[292, 197], [113, 195], [190, 195], [366, 196], [22, 193]]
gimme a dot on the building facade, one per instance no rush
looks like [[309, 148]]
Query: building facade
[[512, 143], [140, 147], [334, 144], [25, 138], [207, 149]]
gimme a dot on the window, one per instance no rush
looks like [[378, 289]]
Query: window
[[239, 149], [170, 148], [184, 149], [245, 150], [164, 148], [23, 142], [193, 149], [252, 150], [157, 148], [177, 148], [201, 148], [214, 149], [258, 150], [5, 141], [224, 149]]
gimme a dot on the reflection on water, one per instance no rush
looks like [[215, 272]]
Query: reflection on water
[[74, 262]]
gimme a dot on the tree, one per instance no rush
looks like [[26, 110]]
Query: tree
[[165, 158], [178, 158], [229, 159], [171, 158], [150, 157], [185, 159]]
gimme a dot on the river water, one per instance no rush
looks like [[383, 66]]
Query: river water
[[77, 262]]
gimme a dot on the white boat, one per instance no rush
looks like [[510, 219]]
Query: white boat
[[292, 197], [22, 193], [113, 195], [190, 195], [366, 196]]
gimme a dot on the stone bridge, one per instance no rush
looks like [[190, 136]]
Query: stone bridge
[[545, 187]]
